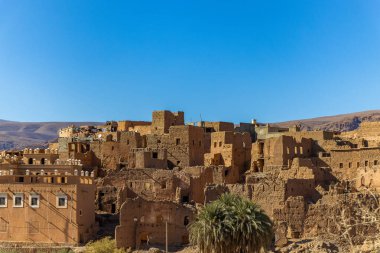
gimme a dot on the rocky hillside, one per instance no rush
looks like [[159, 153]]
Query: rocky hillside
[[341, 123], [16, 135]]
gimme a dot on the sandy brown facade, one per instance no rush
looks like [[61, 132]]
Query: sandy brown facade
[[46, 206]]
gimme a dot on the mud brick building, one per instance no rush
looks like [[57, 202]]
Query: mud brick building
[[46, 207], [184, 145], [232, 150]]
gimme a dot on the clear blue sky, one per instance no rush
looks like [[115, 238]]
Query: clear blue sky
[[79, 60]]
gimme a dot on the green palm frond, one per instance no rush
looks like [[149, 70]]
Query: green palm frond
[[231, 224]]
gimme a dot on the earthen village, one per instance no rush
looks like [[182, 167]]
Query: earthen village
[[142, 183]]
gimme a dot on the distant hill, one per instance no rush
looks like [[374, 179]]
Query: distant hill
[[341, 123], [17, 135]]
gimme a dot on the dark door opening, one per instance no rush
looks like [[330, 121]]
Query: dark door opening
[[185, 199]]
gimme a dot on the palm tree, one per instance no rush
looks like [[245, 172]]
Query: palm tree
[[231, 224]]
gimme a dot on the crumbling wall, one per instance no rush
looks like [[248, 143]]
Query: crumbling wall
[[231, 150], [143, 222], [148, 158], [279, 151], [201, 176], [111, 154], [142, 127], [184, 145], [293, 213]]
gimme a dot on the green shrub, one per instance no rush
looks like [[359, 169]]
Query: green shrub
[[105, 245], [8, 251]]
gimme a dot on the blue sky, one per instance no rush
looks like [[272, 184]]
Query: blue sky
[[67, 60]]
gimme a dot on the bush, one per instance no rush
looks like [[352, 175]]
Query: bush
[[105, 245]]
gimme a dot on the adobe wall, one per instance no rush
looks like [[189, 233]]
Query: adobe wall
[[247, 128], [108, 198], [370, 131], [308, 220], [210, 127], [47, 223], [79, 151], [130, 125], [218, 126], [201, 176], [190, 149], [294, 214], [269, 194], [345, 163], [231, 150], [112, 153], [142, 221], [148, 158], [116, 187], [279, 151], [149, 184], [369, 178], [143, 130], [163, 120], [315, 135], [303, 178], [184, 145]]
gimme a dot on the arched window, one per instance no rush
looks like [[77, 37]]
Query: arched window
[[30, 161]]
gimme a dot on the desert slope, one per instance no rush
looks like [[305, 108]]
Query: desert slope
[[21, 134], [343, 122]]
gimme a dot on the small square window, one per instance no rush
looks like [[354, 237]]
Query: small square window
[[178, 141], [154, 155], [3, 200], [18, 200], [62, 201], [34, 201]]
